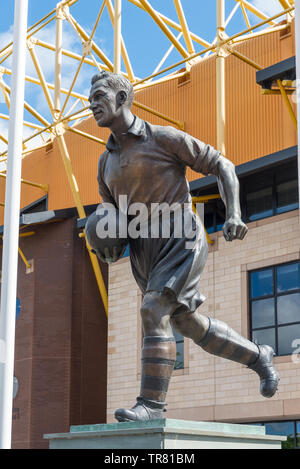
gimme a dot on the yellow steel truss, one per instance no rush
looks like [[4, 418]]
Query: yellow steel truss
[[62, 115]]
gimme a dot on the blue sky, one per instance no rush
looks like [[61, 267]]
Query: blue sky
[[145, 43]]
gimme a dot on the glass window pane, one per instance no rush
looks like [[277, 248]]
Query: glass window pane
[[177, 336], [298, 434], [220, 215], [282, 428], [209, 218], [287, 196], [288, 277], [287, 337], [179, 364], [259, 204], [263, 313], [264, 337], [261, 283], [288, 308]]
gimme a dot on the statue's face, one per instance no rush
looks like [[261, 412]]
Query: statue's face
[[104, 103]]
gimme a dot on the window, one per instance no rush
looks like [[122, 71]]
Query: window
[[179, 364], [289, 428], [214, 216], [263, 194], [275, 306], [126, 253], [259, 204]]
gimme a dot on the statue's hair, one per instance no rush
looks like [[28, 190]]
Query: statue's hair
[[117, 82]]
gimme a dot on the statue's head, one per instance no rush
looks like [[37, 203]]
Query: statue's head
[[110, 95]]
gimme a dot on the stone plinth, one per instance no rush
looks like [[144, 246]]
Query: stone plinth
[[165, 434]]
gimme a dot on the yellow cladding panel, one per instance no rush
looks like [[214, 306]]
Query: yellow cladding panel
[[256, 125]]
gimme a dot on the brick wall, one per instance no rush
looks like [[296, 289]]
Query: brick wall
[[60, 353], [209, 388]]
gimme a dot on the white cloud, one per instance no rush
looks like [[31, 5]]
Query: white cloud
[[269, 7], [34, 94]]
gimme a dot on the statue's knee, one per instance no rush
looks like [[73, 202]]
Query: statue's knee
[[181, 323], [155, 315], [148, 308], [191, 325]]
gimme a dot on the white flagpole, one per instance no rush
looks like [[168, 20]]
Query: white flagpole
[[11, 224], [297, 36]]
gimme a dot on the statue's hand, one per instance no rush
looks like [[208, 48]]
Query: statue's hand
[[234, 228]]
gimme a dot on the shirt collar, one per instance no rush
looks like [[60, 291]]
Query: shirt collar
[[137, 128]]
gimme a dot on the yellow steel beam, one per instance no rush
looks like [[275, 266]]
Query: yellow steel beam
[[3, 139], [213, 47], [97, 20], [28, 36], [288, 83], [164, 58], [284, 3], [164, 28], [71, 87], [30, 109], [69, 171], [31, 31], [220, 78], [95, 61], [30, 45], [35, 81], [276, 92], [82, 33], [274, 29], [288, 103], [5, 57], [26, 234], [24, 258], [256, 12], [244, 58], [58, 59], [86, 135], [71, 55], [139, 87], [159, 114], [184, 27], [81, 116], [245, 14], [205, 198], [5, 94], [22, 255], [231, 15], [27, 124], [117, 35], [173, 24], [44, 187], [124, 53], [210, 241], [81, 212], [50, 126]]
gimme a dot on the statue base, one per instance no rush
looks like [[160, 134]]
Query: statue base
[[165, 434]]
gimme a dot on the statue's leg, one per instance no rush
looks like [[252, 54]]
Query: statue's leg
[[217, 338], [158, 359]]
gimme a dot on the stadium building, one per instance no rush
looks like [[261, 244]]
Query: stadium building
[[77, 359]]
